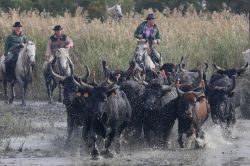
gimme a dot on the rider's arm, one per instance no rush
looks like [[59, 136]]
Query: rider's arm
[[69, 42], [25, 39], [157, 35], [138, 32]]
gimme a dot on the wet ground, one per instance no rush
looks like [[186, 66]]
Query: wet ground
[[44, 143]]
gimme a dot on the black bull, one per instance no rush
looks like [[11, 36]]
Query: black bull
[[103, 108], [159, 109], [223, 94], [109, 112]]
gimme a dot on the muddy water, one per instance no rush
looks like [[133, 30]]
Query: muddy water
[[46, 145]]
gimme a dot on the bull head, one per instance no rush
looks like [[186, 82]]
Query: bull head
[[235, 71], [225, 89]]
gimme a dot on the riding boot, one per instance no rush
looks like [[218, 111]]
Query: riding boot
[[8, 70]]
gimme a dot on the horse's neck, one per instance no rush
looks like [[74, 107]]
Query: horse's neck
[[111, 10], [22, 58]]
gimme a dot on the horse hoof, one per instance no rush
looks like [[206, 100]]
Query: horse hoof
[[107, 154]]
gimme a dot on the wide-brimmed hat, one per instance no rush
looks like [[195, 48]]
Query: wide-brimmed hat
[[17, 24], [57, 28], [150, 16]]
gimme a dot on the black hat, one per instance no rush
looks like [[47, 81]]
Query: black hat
[[57, 28], [150, 16], [17, 24]]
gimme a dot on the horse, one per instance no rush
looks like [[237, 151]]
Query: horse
[[142, 58], [23, 71], [115, 12], [61, 65]]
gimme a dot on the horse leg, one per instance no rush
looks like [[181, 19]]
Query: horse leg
[[60, 93], [5, 90], [12, 92], [53, 84], [48, 87], [22, 90]]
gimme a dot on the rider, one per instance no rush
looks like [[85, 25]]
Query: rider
[[56, 41], [149, 30], [13, 44]]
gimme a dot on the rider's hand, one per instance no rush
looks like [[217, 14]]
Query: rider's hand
[[155, 43], [140, 36], [22, 45], [67, 46]]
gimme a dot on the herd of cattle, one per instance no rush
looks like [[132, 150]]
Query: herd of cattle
[[148, 101]]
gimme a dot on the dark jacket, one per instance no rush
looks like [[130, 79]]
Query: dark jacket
[[139, 31], [14, 40]]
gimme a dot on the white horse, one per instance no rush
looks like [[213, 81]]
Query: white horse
[[23, 71], [141, 55], [61, 67], [115, 12]]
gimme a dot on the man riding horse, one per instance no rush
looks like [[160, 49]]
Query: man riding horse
[[13, 44], [56, 41], [149, 30]]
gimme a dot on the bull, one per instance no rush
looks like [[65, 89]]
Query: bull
[[110, 113], [192, 110], [159, 111], [224, 95]]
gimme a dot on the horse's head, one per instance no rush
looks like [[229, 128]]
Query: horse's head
[[118, 11], [63, 61], [141, 49], [31, 51]]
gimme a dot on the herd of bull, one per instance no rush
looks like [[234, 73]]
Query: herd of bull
[[148, 101]]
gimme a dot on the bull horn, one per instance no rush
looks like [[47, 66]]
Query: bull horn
[[180, 92], [218, 68], [181, 68], [85, 78], [206, 67], [82, 84], [242, 69], [71, 65], [58, 77]]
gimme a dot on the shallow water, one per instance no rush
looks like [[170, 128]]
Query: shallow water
[[45, 146]]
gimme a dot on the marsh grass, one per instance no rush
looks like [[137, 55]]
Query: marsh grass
[[11, 126], [212, 37]]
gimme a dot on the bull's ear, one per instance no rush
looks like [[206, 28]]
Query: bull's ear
[[231, 94]]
